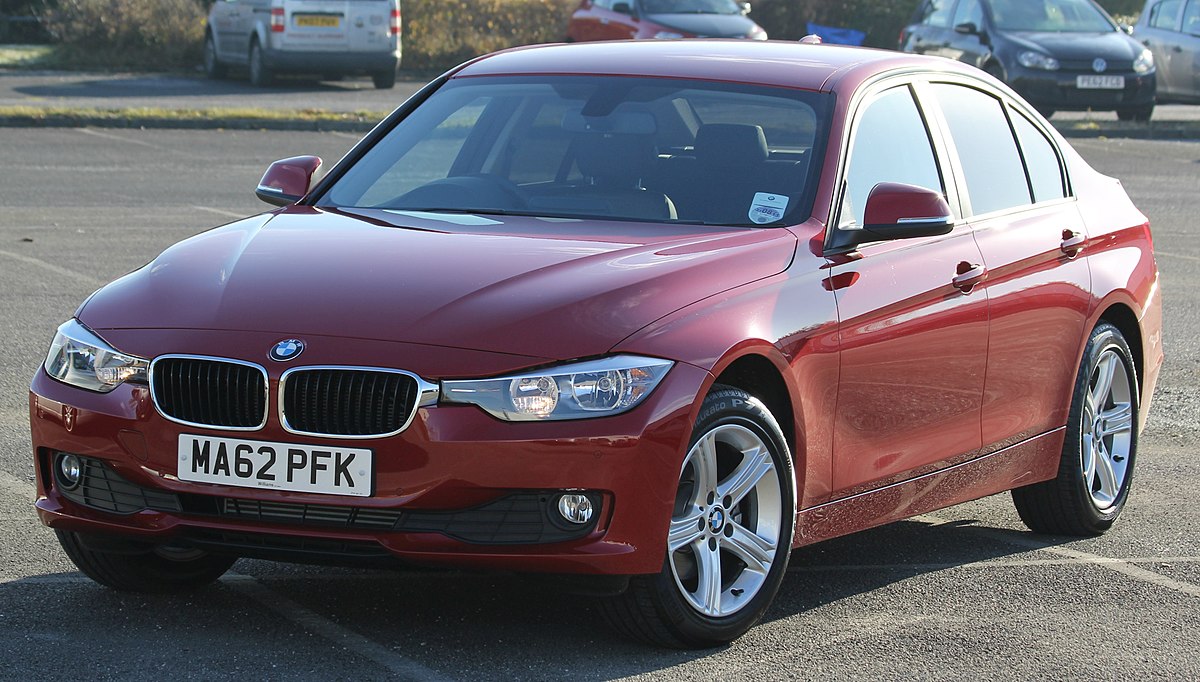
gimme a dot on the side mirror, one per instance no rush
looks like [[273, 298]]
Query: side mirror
[[622, 8], [967, 28], [288, 180], [745, 7], [898, 211]]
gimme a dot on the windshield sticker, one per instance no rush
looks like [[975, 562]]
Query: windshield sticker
[[767, 208]]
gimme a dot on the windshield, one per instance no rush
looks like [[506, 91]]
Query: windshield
[[615, 148], [1063, 16], [690, 7]]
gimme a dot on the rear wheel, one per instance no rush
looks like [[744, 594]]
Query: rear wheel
[[213, 68], [384, 79], [1136, 113], [260, 73], [730, 534], [152, 570], [1096, 468]]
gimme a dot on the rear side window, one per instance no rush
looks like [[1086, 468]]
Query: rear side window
[[987, 151], [1045, 170], [891, 144]]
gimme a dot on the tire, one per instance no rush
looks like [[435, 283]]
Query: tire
[[154, 570], [1136, 114], [1096, 468], [384, 80], [213, 68], [260, 74], [709, 591], [995, 71]]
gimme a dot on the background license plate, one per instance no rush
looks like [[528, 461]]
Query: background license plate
[[321, 20], [327, 469], [1100, 82]]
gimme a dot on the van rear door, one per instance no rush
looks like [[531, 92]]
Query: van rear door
[[338, 25]]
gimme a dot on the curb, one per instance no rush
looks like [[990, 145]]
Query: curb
[[1164, 130]]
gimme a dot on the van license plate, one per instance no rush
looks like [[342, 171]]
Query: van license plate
[[1100, 82], [318, 20], [325, 469]]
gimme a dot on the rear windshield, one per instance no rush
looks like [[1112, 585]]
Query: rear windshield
[[617, 148], [1064, 16]]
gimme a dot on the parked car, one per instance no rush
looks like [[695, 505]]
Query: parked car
[[1058, 54], [651, 313], [625, 19], [331, 38], [1170, 29]]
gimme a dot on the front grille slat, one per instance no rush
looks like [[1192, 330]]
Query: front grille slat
[[210, 391], [348, 401]]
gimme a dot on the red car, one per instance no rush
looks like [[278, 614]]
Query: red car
[[628, 19], [651, 313]]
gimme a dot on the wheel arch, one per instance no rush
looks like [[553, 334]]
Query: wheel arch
[[755, 374], [1123, 317]]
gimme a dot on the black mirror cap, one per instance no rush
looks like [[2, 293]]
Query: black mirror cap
[[967, 28], [623, 8]]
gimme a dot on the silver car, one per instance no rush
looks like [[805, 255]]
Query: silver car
[[1171, 29], [332, 38]]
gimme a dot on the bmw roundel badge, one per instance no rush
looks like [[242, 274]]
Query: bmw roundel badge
[[285, 350]]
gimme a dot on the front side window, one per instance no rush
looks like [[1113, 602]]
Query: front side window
[[969, 12], [987, 151], [1164, 13], [597, 147], [890, 144], [1191, 18], [935, 13]]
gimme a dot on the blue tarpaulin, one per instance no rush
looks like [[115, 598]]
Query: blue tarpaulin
[[836, 35]]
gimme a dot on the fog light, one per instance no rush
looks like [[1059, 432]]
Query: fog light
[[69, 470], [575, 508]]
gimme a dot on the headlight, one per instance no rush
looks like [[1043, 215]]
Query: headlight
[[667, 35], [596, 388], [80, 358], [1144, 62], [1037, 60], [757, 33]]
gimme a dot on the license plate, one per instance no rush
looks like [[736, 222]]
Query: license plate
[[1100, 82], [325, 469], [318, 20]]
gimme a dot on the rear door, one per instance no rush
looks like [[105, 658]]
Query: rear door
[[1159, 31], [1032, 237], [369, 24], [1185, 63], [316, 25]]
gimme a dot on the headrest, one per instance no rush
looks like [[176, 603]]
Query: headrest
[[617, 160], [731, 144]]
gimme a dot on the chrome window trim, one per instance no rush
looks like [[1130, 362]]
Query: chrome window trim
[[184, 356], [427, 396]]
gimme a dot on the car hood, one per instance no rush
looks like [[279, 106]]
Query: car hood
[[1111, 45], [542, 288], [706, 25]]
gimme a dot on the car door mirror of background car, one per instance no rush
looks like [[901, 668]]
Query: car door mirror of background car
[[898, 211], [287, 180], [622, 8], [967, 28]]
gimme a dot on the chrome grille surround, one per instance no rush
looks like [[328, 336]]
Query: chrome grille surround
[[157, 377], [422, 394]]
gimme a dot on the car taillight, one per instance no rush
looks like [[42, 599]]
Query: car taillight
[[277, 24], [394, 28]]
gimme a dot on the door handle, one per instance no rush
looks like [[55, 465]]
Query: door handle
[[1072, 243], [1177, 48], [969, 274]]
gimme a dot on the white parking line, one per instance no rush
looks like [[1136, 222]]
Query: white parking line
[[403, 668], [90, 281], [227, 214], [1122, 566], [126, 140], [1175, 255]]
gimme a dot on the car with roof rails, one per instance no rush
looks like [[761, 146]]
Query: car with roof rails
[[648, 315]]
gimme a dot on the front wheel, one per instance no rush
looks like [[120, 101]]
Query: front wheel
[[730, 532], [152, 570], [1096, 468]]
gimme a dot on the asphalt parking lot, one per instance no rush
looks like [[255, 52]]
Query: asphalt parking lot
[[965, 593]]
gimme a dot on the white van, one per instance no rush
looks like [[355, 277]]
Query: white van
[[332, 38]]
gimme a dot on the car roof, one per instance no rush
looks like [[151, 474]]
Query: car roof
[[773, 63]]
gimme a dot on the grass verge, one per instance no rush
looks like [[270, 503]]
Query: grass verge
[[215, 117]]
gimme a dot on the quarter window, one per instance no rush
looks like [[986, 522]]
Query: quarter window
[[891, 144], [987, 151], [1045, 171]]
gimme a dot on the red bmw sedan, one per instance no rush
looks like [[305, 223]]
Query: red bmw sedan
[[654, 314]]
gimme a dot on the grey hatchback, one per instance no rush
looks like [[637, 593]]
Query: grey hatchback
[[1058, 54], [1171, 30]]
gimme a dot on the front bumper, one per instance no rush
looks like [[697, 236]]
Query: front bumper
[[1057, 90], [457, 488]]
